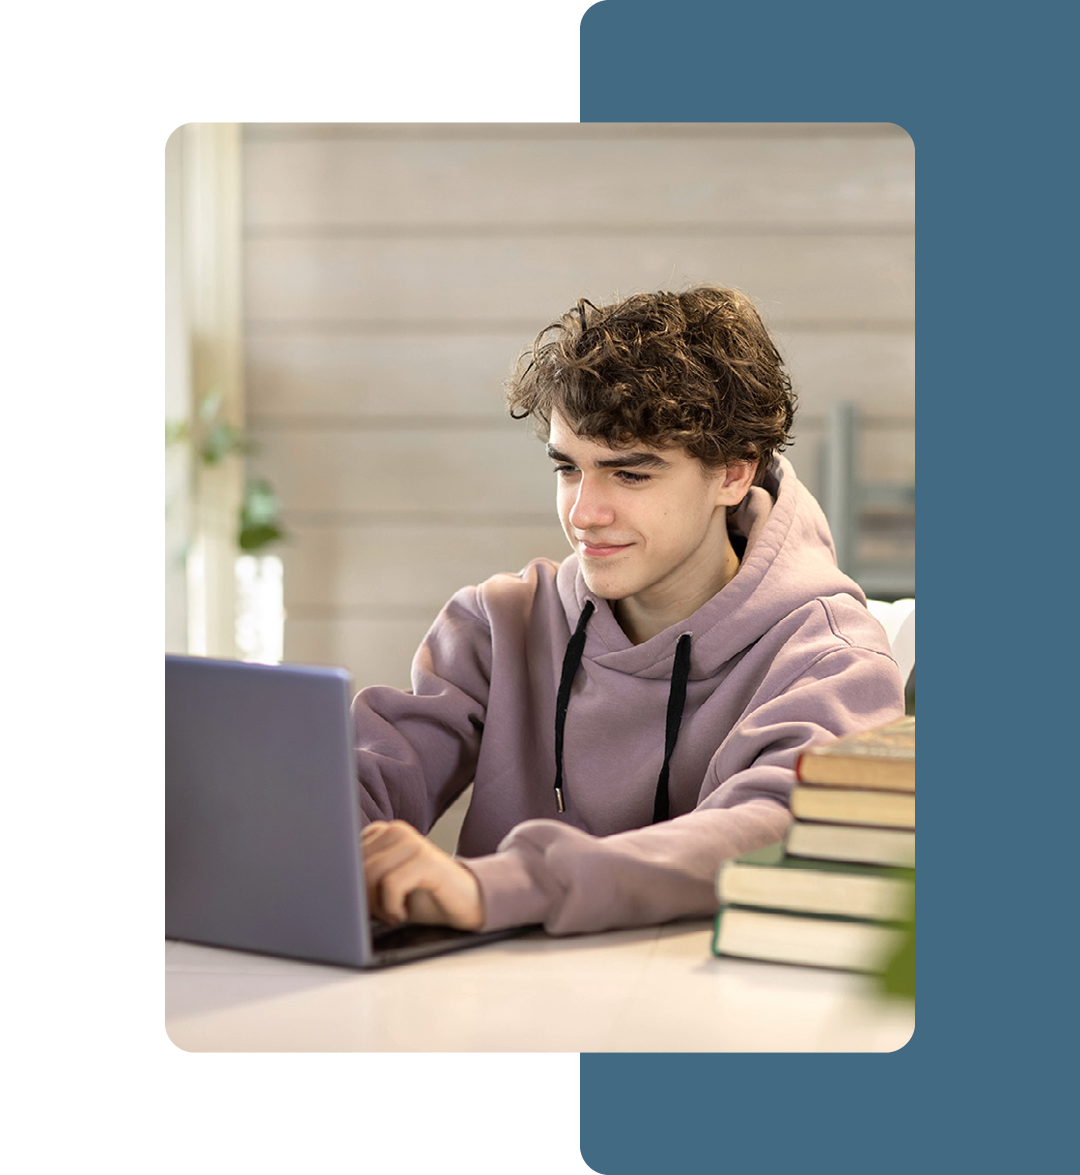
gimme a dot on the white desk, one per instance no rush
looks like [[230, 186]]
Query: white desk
[[657, 989]]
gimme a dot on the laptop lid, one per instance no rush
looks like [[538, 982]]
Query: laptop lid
[[262, 830]]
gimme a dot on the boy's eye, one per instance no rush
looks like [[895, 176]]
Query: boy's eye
[[624, 475]]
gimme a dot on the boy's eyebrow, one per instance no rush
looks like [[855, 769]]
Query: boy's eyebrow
[[633, 460]]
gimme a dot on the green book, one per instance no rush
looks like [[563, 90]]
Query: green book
[[771, 879], [805, 939]]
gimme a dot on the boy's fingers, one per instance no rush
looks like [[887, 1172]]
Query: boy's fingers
[[379, 830], [409, 879], [399, 881], [384, 862], [386, 856]]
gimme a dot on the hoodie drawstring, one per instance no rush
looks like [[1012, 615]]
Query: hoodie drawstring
[[571, 661], [675, 703], [680, 673]]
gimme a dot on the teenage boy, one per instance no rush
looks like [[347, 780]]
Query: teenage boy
[[631, 717]]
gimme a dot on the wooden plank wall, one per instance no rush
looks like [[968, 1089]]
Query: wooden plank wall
[[393, 273]]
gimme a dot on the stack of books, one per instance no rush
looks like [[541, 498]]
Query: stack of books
[[837, 892]]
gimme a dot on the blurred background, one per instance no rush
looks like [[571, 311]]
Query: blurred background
[[346, 301]]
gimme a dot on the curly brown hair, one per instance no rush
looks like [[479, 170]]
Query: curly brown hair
[[695, 369]]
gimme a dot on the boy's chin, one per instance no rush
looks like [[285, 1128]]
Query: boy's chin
[[606, 590]]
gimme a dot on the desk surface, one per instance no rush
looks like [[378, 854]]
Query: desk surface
[[656, 989]]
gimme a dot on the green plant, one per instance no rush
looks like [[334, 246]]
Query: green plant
[[214, 439], [898, 979], [259, 516]]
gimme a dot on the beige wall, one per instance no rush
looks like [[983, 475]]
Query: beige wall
[[392, 273]]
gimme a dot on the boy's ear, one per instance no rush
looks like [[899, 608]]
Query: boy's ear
[[734, 482]]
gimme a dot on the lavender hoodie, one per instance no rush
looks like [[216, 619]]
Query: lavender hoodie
[[786, 655]]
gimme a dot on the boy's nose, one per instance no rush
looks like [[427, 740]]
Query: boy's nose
[[591, 508]]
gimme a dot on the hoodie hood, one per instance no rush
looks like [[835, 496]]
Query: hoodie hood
[[788, 562]]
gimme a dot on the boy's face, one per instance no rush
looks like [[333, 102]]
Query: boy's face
[[648, 525]]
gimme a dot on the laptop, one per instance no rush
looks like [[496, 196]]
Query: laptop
[[262, 820]]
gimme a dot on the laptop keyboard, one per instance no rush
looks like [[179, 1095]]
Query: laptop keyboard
[[395, 938]]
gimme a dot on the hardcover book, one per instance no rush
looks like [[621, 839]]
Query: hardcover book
[[879, 758], [851, 806], [848, 842], [804, 939], [780, 882]]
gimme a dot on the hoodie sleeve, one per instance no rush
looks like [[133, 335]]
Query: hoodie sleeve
[[416, 751], [575, 883], [572, 882]]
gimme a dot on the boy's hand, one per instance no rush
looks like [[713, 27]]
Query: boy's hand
[[411, 880]]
